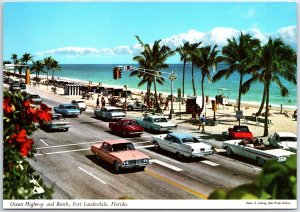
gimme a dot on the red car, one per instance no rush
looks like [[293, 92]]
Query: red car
[[121, 154], [126, 127], [239, 132]]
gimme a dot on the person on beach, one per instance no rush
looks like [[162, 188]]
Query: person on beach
[[98, 102], [102, 102], [202, 123]]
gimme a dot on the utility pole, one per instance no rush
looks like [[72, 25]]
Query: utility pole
[[172, 77]]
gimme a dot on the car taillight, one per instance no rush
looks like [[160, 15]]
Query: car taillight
[[192, 149]]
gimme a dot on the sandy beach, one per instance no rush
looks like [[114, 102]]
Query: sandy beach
[[225, 115]]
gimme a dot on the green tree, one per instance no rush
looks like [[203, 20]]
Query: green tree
[[193, 51], [37, 67], [55, 67], [26, 58], [14, 57], [238, 55], [207, 57], [276, 181], [274, 61], [184, 57], [48, 61]]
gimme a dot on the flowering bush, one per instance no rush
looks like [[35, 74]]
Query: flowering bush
[[19, 118]]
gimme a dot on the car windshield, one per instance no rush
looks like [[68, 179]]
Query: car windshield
[[288, 139], [190, 140], [160, 120], [129, 123], [122, 147], [241, 129], [70, 107]]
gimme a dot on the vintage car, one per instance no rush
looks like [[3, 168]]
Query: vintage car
[[121, 154], [136, 105], [35, 99], [285, 140], [56, 123], [182, 144], [155, 123], [67, 110], [239, 132], [126, 127], [80, 104], [255, 149], [110, 113]]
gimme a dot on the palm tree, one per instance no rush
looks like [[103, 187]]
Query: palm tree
[[55, 67], [26, 58], [184, 57], [37, 67], [193, 56], [238, 55], [207, 58], [20, 64], [48, 63], [155, 58], [14, 57], [275, 60]]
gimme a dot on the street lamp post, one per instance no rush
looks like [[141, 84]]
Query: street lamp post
[[172, 77]]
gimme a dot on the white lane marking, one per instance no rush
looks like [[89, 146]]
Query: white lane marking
[[51, 153], [210, 163], [92, 175], [165, 164], [44, 142], [170, 159], [142, 142], [143, 147], [89, 110]]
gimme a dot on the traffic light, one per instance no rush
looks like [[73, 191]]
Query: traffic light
[[117, 73]]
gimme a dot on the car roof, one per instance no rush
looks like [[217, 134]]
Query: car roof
[[181, 135], [111, 107], [155, 116], [286, 134], [122, 141], [67, 104]]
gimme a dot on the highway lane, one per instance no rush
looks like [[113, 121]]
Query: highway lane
[[65, 159]]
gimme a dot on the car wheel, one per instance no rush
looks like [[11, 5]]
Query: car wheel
[[179, 156], [67, 129], [156, 145], [260, 161], [144, 108], [229, 151], [130, 108], [117, 166]]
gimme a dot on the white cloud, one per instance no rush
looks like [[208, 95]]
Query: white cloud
[[218, 35]]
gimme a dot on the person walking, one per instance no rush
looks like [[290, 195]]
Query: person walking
[[98, 102], [102, 102], [202, 123]]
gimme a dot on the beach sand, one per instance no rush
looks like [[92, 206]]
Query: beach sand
[[225, 115]]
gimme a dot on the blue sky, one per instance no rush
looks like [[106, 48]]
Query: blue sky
[[104, 32]]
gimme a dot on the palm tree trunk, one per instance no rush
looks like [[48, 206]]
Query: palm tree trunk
[[266, 129], [148, 94], [240, 93], [183, 77], [262, 103], [53, 74], [193, 81], [202, 89], [156, 99], [47, 76]]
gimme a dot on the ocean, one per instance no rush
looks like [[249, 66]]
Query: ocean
[[103, 73]]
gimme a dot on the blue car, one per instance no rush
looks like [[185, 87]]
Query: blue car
[[67, 110]]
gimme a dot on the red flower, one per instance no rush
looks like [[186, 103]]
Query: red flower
[[7, 107], [25, 147], [20, 137]]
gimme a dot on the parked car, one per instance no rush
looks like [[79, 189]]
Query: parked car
[[136, 105], [155, 123], [255, 149], [67, 110], [36, 99], [126, 127], [15, 86], [239, 132], [121, 154], [110, 113], [22, 85], [56, 123], [80, 104], [285, 140], [182, 144]]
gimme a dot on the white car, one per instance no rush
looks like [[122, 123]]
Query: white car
[[80, 104], [182, 144], [136, 105], [255, 149], [110, 113], [285, 140], [155, 123]]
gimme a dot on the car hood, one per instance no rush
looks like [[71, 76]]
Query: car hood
[[59, 122], [134, 128], [287, 145], [118, 114], [279, 152], [73, 110], [165, 124], [129, 155]]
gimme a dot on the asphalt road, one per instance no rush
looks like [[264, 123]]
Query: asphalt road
[[65, 162]]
